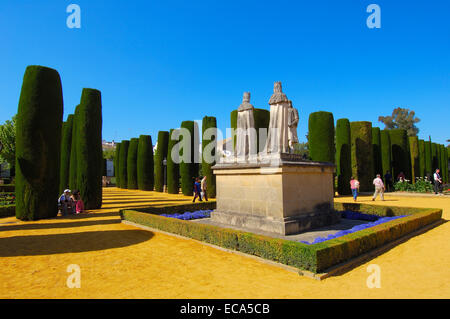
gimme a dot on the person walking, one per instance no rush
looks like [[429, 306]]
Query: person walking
[[203, 189], [388, 181], [379, 187], [197, 190], [354, 185], [437, 182]]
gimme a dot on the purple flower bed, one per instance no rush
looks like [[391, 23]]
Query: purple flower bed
[[373, 221], [190, 215]]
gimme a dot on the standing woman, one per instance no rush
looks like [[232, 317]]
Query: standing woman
[[354, 185]]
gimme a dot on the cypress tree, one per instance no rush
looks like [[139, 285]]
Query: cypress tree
[[422, 158], [446, 164], [89, 149], [415, 160], [66, 143], [262, 119], [343, 156], [187, 168], [428, 158], [173, 169], [38, 144], [116, 165], [362, 154], [442, 162], [321, 136], [385, 152], [161, 154], [123, 163], [132, 164], [145, 168], [73, 183], [399, 151], [434, 157], [376, 145], [209, 148]]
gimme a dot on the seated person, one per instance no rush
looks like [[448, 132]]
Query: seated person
[[78, 202], [66, 204]]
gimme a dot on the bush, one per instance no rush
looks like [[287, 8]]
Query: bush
[[422, 185], [66, 143], [362, 154], [132, 164], [7, 211], [89, 149], [385, 152], [399, 151], [321, 136], [343, 156], [145, 167], [209, 122], [38, 144], [123, 178], [173, 169], [161, 154]]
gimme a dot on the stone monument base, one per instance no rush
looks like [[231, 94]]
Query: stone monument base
[[286, 195]]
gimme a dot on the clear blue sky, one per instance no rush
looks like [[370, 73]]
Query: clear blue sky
[[158, 63]]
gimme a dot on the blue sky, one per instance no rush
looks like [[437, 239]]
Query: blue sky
[[158, 63]]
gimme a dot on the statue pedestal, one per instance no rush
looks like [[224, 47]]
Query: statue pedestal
[[279, 193]]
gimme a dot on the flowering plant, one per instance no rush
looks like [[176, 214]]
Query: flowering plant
[[190, 215]]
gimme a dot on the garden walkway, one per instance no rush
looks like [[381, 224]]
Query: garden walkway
[[121, 261]]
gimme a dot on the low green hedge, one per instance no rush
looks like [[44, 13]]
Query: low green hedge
[[177, 209], [7, 211], [7, 188], [316, 258]]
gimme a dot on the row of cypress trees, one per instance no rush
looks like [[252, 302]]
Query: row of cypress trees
[[52, 155]]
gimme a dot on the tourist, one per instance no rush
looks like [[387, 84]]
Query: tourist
[[401, 177], [203, 189], [197, 190], [79, 204], [379, 187], [437, 182], [388, 181], [354, 185], [65, 203]]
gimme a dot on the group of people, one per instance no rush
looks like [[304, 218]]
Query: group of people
[[377, 182], [70, 203], [200, 189]]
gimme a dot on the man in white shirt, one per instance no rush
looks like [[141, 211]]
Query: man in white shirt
[[379, 187], [437, 182]]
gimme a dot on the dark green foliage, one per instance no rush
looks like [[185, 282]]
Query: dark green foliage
[[262, 119], [209, 149], [362, 154], [123, 178], [66, 143], [321, 136], [7, 211], [428, 158], [421, 158], [399, 152], [132, 164], [38, 144], [446, 178], [442, 161], [385, 152], [187, 166], [376, 145], [89, 149], [434, 157], [161, 154], [116, 165], [343, 156], [415, 160], [73, 183], [145, 168], [173, 169]]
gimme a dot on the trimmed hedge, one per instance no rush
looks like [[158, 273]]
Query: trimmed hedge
[[160, 155], [422, 158], [443, 163], [145, 168], [262, 119], [376, 146], [385, 152], [187, 170], [446, 166], [316, 258], [434, 157], [89, 149], [415, 160], [123, 178], [209, 122], [66, 143], [321, 136], [73, 182], [400, 154], [7, 188], [7, 211], [343, 156], [428, 158], [38, 144], [362, 154], [132, 164], [173, 169], [116, 165]]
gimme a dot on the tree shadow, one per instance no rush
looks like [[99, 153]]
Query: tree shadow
[[60, 225], [70, 243]]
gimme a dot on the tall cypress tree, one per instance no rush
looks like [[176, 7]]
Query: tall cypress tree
[[399, 151], [415, 160], [421, 158], [385, 152], [321, 136], [173, 169], [132, 163], [362, 154], [376, 145], [116, 165], [73, 183], [123, 163], [161, 154], [434, 157], [145, 167], [428, 158], [343, 156], [209, 150], [187, 167], [89, 149], [38, 144], [66, 143]]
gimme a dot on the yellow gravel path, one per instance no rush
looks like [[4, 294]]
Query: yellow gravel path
[[121, 261]]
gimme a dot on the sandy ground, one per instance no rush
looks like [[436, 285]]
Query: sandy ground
[[121, 261]]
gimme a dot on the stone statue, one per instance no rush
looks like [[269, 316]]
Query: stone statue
[[245, 131], [293, 119], [278, 135]]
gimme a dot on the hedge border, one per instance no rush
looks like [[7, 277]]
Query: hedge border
[[316, 258], [7, 211]]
